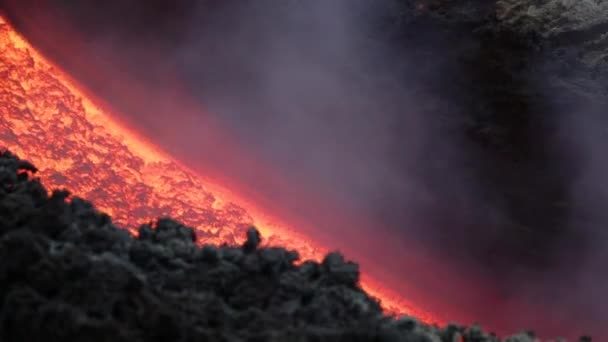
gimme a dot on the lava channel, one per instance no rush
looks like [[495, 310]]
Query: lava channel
[[48, 119]]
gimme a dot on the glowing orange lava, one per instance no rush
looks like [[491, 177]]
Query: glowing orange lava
[[46, 118]]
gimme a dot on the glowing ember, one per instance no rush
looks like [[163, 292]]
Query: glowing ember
[[47, 119]]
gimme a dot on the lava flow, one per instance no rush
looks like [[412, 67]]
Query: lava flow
[[45, 117]]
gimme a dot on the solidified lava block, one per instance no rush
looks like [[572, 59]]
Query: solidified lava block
[[67, 273]]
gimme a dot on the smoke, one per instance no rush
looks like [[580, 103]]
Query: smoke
[[380, 129], [357, 126], [375, 128], [321, 95], [569, 78], [581, 125], [307, 90]]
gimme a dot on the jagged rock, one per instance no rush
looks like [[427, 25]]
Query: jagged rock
[[81, 278]]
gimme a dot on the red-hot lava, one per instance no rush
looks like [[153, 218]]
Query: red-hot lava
[[79, 144], [48, 119]]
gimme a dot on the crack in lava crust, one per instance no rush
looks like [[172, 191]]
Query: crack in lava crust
[[47, 119]]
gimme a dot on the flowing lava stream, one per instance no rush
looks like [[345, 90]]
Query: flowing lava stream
[[46, 118]]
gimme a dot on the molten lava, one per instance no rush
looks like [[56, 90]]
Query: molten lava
[[47, 118]]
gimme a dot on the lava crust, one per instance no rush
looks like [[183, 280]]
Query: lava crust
[[70, 274], [46, 118]]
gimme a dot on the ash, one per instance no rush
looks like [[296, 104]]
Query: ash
[[68, 274]]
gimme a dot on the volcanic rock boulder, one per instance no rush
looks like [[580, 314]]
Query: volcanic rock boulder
[[68, 274]]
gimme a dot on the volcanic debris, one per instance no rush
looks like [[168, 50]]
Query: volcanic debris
[[67, 273]]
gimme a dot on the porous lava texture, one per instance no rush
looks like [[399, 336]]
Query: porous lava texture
[[69, 274]]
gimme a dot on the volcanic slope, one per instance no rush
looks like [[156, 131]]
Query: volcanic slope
[[69, 274], [46, 118]]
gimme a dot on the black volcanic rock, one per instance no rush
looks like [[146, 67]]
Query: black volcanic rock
[[68, 274]]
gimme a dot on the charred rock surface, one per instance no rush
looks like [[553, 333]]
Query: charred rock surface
[[69, 274]]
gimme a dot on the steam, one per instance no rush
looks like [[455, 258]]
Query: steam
[[374, 129], [365, 124], [309, 87], [298, 89], [571, 81], [316, 91], [583, 255]]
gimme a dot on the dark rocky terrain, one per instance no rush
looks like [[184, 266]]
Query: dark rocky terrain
[[69, 274]]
